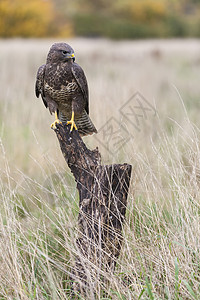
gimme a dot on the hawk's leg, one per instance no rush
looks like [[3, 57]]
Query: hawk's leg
[[57, 121], [73, 125]]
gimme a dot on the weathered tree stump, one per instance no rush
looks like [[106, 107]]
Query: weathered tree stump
[[103, 191]]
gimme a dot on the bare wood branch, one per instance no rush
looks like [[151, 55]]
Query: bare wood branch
[[103, 191]]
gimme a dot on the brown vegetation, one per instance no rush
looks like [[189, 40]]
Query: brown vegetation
[[38, 200]]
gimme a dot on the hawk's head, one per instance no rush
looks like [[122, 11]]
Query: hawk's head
[[60, 52]]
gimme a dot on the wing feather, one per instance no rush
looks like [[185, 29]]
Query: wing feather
[[39, 85], [80, 77]]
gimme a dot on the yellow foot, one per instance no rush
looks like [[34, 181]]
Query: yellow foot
[[57, 121], [73, 125], [53, 125]]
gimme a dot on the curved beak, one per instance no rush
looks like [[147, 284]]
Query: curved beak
[[70, 55]]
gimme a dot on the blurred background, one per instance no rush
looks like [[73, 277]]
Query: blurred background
[[118, 19], [150, 47]]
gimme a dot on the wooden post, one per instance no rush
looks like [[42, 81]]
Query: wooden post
[[103, 191]]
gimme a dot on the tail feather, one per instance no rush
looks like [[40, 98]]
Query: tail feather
[[83, 123]]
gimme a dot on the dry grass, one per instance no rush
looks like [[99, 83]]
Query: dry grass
[[38, 212]]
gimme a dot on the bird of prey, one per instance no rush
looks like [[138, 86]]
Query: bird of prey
[[63, 87]]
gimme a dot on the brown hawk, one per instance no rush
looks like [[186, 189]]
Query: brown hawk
[[64, 90]]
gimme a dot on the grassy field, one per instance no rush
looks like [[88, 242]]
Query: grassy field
[[144, 100]]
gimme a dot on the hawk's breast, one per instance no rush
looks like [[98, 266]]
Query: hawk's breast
[[59, 82], [64, 95], [63, 92]]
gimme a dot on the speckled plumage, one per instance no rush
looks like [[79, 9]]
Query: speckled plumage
[[63, 87]]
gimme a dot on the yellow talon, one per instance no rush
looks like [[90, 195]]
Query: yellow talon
[[73, 125], [57, 121]]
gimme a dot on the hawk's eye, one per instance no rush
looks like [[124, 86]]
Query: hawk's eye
[[64, 52]]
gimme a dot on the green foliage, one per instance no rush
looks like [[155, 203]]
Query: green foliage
[[190, 289], [136, 19], [102, 26], [177, 282], [114, 19]]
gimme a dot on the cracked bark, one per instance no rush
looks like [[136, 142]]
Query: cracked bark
[[103, 191]]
